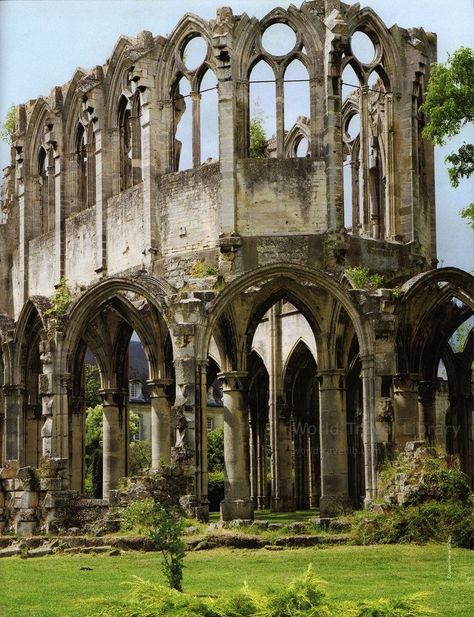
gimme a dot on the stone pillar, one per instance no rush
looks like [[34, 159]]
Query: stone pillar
[[405, 409], [282, 470], [160, 423], [114, 439], [426, 412], [333, 434], [369, 428], [237, 503], [14, 422], [77, 462]]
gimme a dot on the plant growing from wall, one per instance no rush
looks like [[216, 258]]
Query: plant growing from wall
[[60, 300], [258, 138], [361, 278], [201, 269], [8, 127]]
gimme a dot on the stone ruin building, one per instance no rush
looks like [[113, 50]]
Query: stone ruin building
[[235, 267]]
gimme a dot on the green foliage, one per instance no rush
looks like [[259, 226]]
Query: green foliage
[[139, 456], [449, 105], [91, 385], [397, 292], [166, 533], [258, 138], [426, 522], [468, 213], [449, 102], [60, 300], [138, 516], [8, 127], [201, 269], [303, 597], [215, 450], [361, 278]]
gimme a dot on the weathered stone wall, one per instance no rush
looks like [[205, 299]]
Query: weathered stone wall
[[188, 209], [280, 196], [41, 273], [81, 247], [125, 230]]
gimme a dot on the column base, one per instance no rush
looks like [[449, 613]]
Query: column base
[[334, 506], [232, 509], [283, 504]]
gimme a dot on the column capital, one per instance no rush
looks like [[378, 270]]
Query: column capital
[[112, 397], [425, 391], [331, 378], [405, 382], [233, 380], [158, 386]]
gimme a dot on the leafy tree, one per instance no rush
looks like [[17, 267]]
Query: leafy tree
[[449, 106], [92, 385], [215, 450], [8, 127]]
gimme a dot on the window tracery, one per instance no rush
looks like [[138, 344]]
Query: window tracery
[[366, 122]]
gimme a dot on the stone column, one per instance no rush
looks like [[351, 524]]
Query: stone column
[[114, 439], [333, 434], [14, 422], [426, 412], [405, 409], [368, 427], [282, 470], [160, 423], [237, 503], [77, 454]]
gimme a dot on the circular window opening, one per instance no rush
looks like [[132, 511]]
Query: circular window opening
[[279, 39], [194, 53], [353, 127], [362, 47]]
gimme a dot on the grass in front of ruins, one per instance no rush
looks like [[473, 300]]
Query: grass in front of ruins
[[55, 586]]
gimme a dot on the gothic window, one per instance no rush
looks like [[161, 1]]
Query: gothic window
[[81, 167], [85, 166], [46, 189], [365, 137], [131, 139], [195, 108], [279, 94]]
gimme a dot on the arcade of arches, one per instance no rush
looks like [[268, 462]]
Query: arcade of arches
[[132, 205]]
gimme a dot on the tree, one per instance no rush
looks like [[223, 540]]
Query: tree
[[92, 385], [8, 127], [449, 106]]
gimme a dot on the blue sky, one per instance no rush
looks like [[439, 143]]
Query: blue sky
[[43, 41]]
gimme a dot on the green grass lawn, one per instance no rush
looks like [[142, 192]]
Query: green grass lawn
[[54, 586]]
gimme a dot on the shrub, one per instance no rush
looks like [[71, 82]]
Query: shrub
[[166, 533], [258, 138], [362, 279], [60, 300], [139, 456], [304, 597], [430, 521], [200, 270], [138, 516]]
